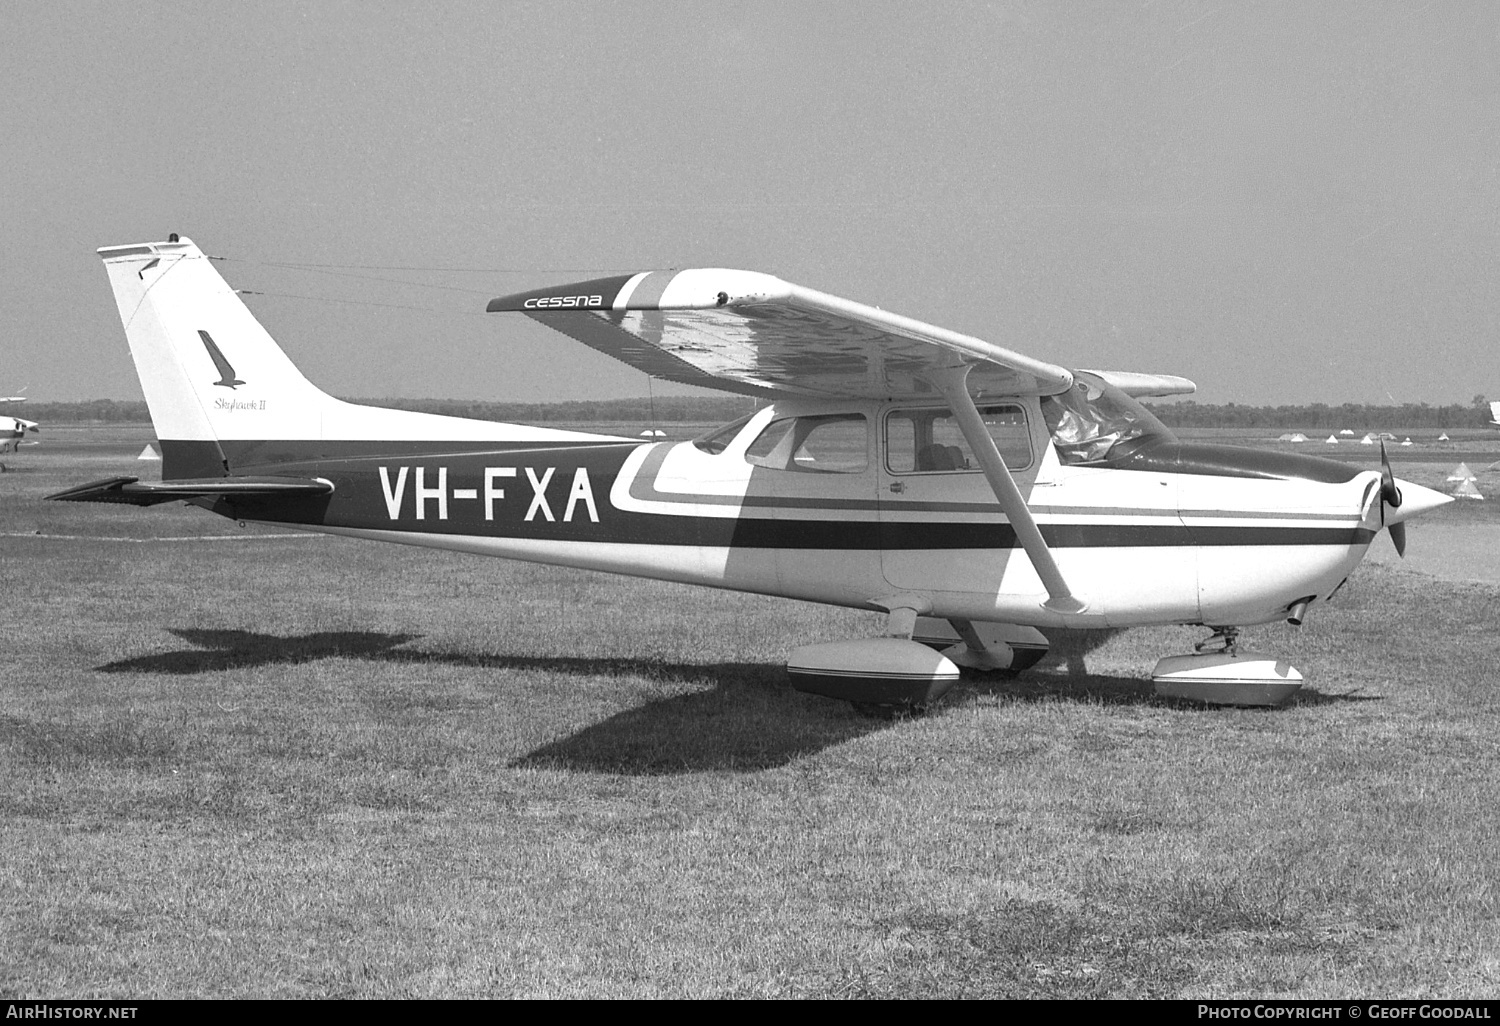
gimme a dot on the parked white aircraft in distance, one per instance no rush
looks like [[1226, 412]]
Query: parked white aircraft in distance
[[1495, 413], [13, 430], [971, 493]]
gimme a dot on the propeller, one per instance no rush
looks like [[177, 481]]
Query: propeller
[[1390, 495]]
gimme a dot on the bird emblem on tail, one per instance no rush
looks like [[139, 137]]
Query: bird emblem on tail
[[226, 371]]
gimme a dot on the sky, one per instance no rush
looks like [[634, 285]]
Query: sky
[[1286, 202]]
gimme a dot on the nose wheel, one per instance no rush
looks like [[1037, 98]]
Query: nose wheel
[[1218, 673], [1223, 639]]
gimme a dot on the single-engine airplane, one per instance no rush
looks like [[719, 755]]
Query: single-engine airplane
[[13, 430], [971, 493]]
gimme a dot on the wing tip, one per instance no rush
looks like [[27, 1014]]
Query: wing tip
[[1139, 385]]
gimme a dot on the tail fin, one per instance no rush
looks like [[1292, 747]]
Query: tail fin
[[209, 370], [219, 387]]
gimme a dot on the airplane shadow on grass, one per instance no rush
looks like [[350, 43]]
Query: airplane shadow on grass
[[749, 718], [233, 649], [739, 715], [228, 650]]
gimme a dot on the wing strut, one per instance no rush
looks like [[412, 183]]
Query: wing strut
[[953, 383]]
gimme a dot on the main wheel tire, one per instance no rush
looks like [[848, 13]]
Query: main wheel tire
[[889, 710]]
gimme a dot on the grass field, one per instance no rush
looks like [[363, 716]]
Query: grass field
[[271, 766]]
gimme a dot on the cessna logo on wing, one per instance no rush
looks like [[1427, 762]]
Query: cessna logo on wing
[[562, 302]]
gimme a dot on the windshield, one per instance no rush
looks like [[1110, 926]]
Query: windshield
[[1094, 421], [717, 440]]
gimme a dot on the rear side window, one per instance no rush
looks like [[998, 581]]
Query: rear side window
[[929, 441], [826, 444]]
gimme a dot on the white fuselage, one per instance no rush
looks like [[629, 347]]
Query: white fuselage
[[1137, 546]]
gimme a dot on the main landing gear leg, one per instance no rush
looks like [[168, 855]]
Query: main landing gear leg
[[900, 623]]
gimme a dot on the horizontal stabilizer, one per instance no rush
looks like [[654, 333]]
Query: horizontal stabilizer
[[131, 491]]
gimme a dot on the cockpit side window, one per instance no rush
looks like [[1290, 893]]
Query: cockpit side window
[[824, 444], [929, 440], [1094, 421]]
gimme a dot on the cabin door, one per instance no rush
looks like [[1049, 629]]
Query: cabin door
[[941, 528]]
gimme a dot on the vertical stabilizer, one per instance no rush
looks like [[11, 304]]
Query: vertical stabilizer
[[210, 371], [222, 394]]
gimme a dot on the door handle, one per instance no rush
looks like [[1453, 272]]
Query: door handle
[[898, 486]]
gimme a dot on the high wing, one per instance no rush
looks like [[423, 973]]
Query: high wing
[[747, 332], [743, 331]]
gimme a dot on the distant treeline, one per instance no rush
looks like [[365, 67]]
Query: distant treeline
[[1355, 416], [103, 411], [675, 409]]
